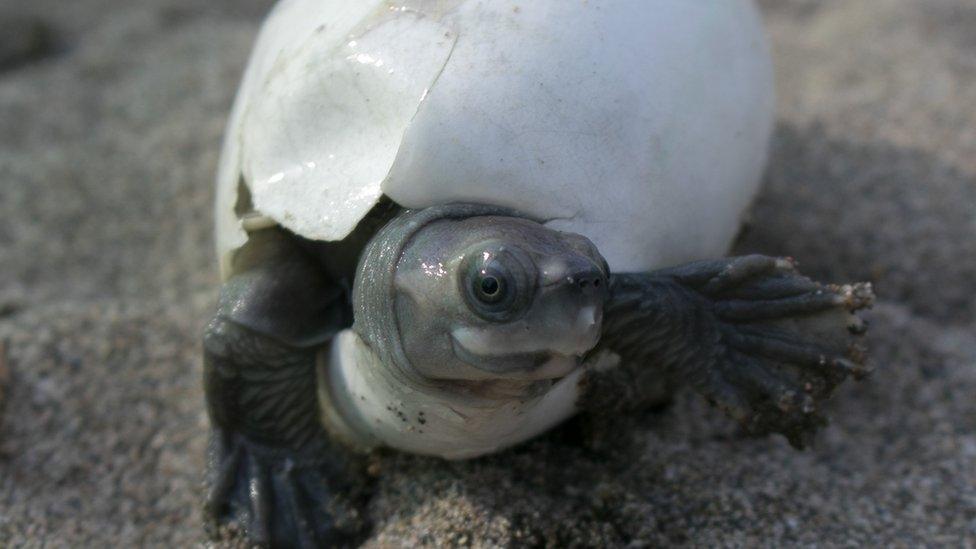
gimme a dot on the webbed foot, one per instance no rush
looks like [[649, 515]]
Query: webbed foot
[[761, 341], [281, 499], [787, 343]]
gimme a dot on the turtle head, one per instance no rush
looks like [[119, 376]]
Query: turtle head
[[488, 297]]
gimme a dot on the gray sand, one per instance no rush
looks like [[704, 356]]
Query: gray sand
[[111, 125]]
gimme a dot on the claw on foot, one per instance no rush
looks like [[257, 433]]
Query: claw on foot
[[788, 340], [279, 501], [784, 341]]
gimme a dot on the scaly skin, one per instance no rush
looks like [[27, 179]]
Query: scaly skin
[[764, 343], [752, 335]]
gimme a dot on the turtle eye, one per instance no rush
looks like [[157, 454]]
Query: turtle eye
[[497, 283], [489, 288]]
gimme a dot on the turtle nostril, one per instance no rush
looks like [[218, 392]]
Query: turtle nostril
[[590, 282]]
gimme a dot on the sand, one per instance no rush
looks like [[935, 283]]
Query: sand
[[111, 115]]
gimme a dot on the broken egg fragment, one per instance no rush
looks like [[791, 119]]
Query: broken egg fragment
[[661, 107]]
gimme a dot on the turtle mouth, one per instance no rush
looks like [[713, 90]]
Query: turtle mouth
[[532, 365]]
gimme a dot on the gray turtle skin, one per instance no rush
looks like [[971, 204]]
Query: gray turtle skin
[[518, 308]]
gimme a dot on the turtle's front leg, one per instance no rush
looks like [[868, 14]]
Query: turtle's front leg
[[756, 338], [273, 471]]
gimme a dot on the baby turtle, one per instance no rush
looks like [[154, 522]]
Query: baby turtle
[[443, 229]]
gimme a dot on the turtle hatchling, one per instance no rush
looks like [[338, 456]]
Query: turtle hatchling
[[445, 226]]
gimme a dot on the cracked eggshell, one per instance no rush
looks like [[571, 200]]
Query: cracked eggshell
[[641, 124]]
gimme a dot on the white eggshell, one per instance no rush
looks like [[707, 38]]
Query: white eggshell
[[641, 124]]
